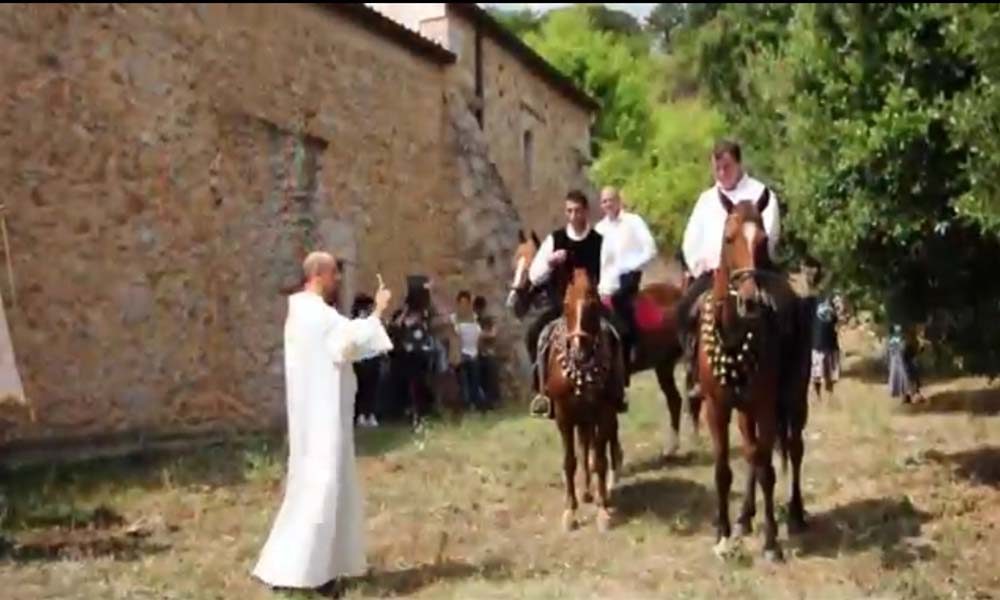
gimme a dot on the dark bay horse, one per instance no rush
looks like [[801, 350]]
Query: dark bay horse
[[580, 381], [657, 341], [749, 362]]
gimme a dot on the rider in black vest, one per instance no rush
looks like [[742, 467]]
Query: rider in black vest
[[575, 246]]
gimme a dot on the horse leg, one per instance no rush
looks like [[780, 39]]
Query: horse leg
[[616, 454], [586, 436], [569, 474], [694, 409], [744, 524], [586, 433], [796, 509], [718, 419], [671, 434], [766, 429], [601, 448]]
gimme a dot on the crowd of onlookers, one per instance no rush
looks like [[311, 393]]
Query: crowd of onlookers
[[434, 355]]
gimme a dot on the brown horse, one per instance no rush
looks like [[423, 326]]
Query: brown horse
[[657, 341], [740, 366], [580, 382]]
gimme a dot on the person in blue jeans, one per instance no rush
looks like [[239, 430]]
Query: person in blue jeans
[[489, 374], [469, 332]]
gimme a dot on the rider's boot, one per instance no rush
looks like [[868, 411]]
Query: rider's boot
[[541, 406]]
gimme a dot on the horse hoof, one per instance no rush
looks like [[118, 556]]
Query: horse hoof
[[671, 446], [723, 549], [774, 555], [797, 527], [588, 497], [569, 521], [603, 521]]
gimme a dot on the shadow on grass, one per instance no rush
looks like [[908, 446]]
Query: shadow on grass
[[884, 524], [686, 505], [981, 466], [982, 401], [78, 544], [409, 581], [658, 462], [54, 535]]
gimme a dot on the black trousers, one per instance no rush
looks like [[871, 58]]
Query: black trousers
[[534, 332], [623, 302], [698, 287], [367, 373]]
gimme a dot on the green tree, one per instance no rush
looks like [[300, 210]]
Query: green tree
[[869, 119], [664, 20], [604, 65]]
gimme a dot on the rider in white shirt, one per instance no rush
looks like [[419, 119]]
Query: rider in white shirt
[[703, 236], [632, 248]]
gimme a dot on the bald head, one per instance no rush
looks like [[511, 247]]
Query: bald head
[[321, 273], [611, 202], [316, 263]]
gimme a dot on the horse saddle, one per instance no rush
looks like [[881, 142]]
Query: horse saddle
[[649, 316]]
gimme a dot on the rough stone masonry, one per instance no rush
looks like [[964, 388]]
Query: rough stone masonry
[[170, 164]]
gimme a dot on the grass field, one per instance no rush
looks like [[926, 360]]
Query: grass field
[[903, 504]]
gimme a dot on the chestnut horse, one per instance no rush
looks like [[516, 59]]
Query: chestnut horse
[[657, 341], [579, 379], [751, 363]]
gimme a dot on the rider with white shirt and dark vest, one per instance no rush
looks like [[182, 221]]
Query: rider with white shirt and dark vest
[[577, 245], [703, 237]]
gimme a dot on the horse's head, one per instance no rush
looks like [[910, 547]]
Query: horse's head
[[519, 297], [744, 251], [581, 308]]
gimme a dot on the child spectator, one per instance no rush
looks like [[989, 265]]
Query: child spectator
[[469, 332], [488, 369]]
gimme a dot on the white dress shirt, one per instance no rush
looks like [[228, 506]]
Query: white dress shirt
[[540, 270], [702, 244], [629, 238]]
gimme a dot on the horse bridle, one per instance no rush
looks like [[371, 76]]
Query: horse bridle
[[738, 276]]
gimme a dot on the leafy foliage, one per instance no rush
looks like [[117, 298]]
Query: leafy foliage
[[878, 125], [873, 119]]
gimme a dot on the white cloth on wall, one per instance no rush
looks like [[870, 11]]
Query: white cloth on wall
[[11, 388]]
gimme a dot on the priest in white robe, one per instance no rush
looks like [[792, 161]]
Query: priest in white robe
[[318, 535]]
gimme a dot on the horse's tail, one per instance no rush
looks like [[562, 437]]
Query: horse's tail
[[793, 392]]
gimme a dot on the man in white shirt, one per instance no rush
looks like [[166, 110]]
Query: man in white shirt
[[632, 248], [575, 246], [702, 243]]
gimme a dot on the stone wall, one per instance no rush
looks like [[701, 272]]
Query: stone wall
[[168, 165], [518, 102]]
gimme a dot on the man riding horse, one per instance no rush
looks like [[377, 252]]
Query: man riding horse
[[577, 246], [632, 248], [704, 235]]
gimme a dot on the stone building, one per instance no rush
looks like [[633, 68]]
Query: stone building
[[169, 165]]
